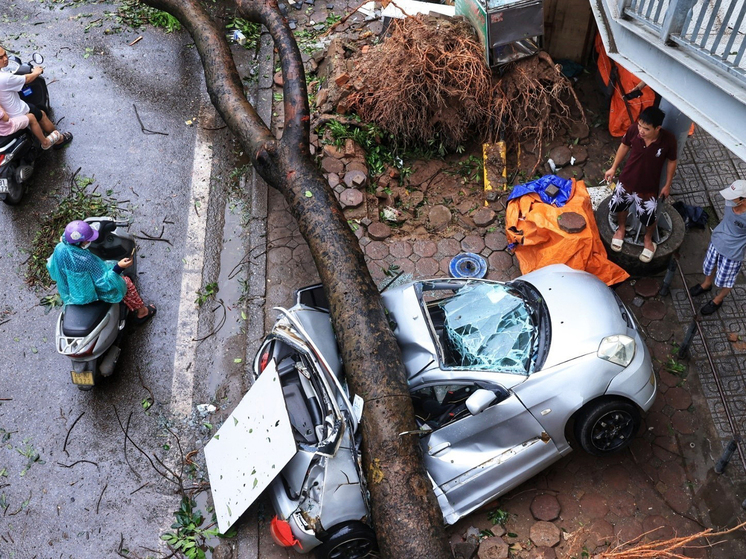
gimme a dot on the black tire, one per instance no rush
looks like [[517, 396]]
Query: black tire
[[607, 426], [15, 192], [350, 540], [629, 257]]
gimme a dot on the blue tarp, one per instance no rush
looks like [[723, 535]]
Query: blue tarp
[[539, 186]]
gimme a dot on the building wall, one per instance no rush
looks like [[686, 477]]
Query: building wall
[[568, 29]]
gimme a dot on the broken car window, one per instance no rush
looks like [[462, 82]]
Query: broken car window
[[487, 327]]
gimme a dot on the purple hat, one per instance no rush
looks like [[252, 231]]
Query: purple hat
[[80, 232]]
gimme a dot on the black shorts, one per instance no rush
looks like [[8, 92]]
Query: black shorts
[[36, 111]]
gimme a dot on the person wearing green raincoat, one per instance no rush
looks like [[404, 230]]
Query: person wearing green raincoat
[[82, 277]]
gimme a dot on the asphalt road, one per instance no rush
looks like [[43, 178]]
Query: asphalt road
[[71, 485]]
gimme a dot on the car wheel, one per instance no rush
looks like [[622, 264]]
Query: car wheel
[[606, 427], [351, 540]]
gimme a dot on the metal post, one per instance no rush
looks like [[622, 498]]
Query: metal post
[[678, 124], [673, 23], [684, 347], [725, 457], [666, 287]]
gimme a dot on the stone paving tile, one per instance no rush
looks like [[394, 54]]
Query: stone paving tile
[[687, 180], [704, 148]]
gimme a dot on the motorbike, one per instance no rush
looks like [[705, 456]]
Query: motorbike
[[91, 335], [19, 151]]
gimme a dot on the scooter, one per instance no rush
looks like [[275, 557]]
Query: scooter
[[91, 335], [19, 151]]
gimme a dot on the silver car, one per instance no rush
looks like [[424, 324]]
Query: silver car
[[503, 376]]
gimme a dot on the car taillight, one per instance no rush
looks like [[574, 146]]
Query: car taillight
[[282, 533], [2, 158], [263, 360]]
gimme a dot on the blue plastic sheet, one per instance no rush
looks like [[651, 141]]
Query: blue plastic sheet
[[540, 185], [488, 328]]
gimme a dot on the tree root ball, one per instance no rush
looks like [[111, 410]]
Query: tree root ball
[[428, 82]]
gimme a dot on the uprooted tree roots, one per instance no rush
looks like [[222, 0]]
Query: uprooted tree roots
[[429, 80]]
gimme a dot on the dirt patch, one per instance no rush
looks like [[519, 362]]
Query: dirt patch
[[415, 95]]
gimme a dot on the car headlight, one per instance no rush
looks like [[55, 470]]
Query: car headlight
[[617, 349]]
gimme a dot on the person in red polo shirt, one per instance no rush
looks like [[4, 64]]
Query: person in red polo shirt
[[650, 149]]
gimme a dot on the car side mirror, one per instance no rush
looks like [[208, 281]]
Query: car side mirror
[[480, 401]]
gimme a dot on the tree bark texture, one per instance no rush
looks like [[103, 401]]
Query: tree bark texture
[[405, 513]]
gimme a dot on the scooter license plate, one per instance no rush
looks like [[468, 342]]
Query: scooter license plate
[[3, 186], [84, 378]]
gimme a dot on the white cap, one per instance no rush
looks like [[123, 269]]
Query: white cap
[[735, 190]]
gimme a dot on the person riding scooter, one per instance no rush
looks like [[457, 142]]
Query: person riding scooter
[[11, 85], [82, 277]]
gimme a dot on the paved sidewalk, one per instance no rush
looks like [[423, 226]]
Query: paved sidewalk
[[664, 485]]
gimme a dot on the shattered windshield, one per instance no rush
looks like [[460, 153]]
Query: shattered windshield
[[488, 327]]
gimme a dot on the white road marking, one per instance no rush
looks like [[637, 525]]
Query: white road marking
[[182, 385]]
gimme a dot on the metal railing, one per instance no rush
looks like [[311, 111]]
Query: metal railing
[[712, 30]]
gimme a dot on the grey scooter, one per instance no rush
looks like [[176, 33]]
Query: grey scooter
[[91, 335]]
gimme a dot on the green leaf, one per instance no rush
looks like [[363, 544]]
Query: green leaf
[[243, 315], [309, 194], [238, 360]]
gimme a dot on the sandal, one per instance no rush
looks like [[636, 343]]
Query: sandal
[[647, 254], [142, 320], [616, 244], [53, 138], [67, 137]]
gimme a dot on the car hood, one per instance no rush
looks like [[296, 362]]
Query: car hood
[[250, 449], [573, 299]]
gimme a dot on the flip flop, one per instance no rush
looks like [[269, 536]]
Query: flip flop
[[647, 254], [53, 138], [616, 244], [67, 137], [151, 313]]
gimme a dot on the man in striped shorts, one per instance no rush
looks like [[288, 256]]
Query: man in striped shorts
[[726, 251]]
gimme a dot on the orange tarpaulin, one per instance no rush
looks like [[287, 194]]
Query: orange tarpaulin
[[532, 226], [624, 82]]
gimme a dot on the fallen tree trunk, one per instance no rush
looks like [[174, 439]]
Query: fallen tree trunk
[[406, 515]]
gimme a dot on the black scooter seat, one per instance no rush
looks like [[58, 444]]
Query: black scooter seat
[[80, 320], [5, 140]]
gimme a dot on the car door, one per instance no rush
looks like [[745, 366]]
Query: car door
[[474, 458]]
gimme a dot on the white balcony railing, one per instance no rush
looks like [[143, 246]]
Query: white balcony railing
[[692, 52]]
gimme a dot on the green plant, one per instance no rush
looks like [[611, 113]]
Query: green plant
[[306, 38], [191, 535], [469, 169], [165, 21], [203, 295], [252, 31], [392, 270], [79, 204], [673, 366], [498, 516], [380, 148], [135, 14], [51, 302]]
